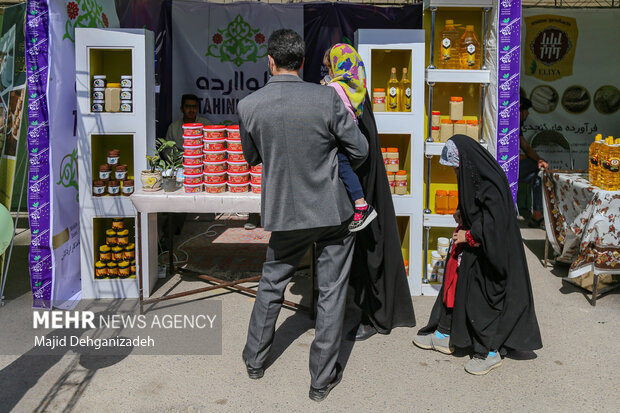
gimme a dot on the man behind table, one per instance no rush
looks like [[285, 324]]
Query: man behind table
[[295, 128], [189, 108]]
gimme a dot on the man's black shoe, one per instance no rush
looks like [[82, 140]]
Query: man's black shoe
[[254, 373], [318, 395], [361, 333]]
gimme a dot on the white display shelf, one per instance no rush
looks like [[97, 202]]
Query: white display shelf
[[458, 3], [371, 42], [438, 220], [435, 148], [110, 206], [402, 203], [458, 76], [431, 289], [131, 52], [116, 288], [394, 122]]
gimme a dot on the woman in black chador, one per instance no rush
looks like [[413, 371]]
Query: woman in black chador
[[486, 301], [378, 272]]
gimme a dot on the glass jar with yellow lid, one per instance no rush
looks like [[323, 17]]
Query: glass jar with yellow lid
[[112, 270], [118, 224], [123, 269], [101, 270], [117, 254], [110, 238], [105, 254], [122, 238], [130, 252]]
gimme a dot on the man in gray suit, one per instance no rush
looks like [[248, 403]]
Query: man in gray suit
[[295, 129]]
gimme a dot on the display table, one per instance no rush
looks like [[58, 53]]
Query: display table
[[181, 202], [583, 225]]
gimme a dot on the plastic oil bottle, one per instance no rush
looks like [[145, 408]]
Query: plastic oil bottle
[[614, 166], [605, 164], [470, 49], [450, 47], [405, 96], [594, 166], [392, 100]]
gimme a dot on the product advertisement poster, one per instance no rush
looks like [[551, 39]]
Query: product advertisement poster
[[570, 73], [228, 60], [52, 143]]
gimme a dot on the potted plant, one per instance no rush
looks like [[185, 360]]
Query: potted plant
[[172, 161], [152, 177]]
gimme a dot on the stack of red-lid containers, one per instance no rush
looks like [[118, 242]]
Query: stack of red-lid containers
[[215, 158], [256, 178], [192, 157], [238, 168]]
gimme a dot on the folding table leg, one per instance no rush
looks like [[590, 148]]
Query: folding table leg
[[594, 289], [170, 246]]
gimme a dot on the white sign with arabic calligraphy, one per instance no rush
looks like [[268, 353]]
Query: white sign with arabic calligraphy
[[220, 52]]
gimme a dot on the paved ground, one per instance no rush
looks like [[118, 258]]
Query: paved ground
[[577, 370]]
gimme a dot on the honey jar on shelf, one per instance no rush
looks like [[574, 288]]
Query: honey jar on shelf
[[117, 254], [112, 270], [118, 224], [110, 238], [101, 270], [105, 254], [124, 270], [456, 108], [460, 127], [122, 238], [130, 252]]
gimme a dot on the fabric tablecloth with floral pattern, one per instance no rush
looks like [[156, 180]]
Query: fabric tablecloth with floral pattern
[[583, 224]]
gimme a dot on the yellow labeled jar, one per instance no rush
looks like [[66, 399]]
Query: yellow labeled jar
[[101, 270], [117, 254], [110, 238], [123, 269], [130, 252], [112, 270], [105, 254], [122, 238]]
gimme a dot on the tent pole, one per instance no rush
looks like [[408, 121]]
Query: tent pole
[[8, 257]]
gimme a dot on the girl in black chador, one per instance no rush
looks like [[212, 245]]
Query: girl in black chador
[[491, 307]]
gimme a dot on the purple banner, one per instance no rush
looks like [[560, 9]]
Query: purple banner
[[37, 53], [508, 64]]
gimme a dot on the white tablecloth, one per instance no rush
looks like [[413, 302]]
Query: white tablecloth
[[203, 202], [583, 223]]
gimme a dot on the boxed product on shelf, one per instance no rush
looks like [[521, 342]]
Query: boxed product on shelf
[[392, 160], [473, 130], [446, 130], [456, 108], [460, 127], [378, 100], [400, 183]]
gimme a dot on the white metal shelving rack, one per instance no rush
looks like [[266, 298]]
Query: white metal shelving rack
[[403, 123], [431, 148], [138, 125]]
